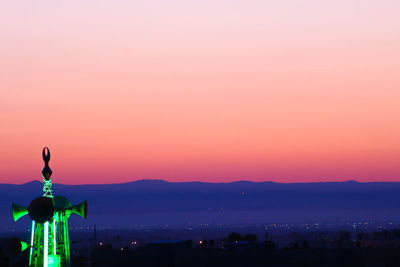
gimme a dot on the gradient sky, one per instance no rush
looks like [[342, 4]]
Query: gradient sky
[[288, 91]]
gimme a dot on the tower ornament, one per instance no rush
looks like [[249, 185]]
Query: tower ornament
[[46, 173]]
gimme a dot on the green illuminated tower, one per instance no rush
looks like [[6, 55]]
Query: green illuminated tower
[[49, 244]]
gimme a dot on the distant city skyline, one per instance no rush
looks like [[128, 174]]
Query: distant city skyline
[[215, 91]]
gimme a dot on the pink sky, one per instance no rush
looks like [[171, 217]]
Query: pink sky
[[288, 91]]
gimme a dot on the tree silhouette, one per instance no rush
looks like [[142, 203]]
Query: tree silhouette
[[234, 237], [269, 244], [212, 242], [250, 237]]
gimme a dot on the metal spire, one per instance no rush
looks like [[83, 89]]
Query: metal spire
[[46, 173]]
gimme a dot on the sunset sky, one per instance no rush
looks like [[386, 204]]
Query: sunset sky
[[212, 90]]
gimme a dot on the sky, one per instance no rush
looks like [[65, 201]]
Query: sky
[[212, 90]]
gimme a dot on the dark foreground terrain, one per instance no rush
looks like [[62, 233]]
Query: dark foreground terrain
[[246, 257], [156, 248], [251, 256]]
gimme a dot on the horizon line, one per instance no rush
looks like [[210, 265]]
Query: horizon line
[[205, 182]]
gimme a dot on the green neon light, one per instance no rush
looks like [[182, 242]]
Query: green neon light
[[46, 245], [32, 239], [54, 260], [23, 246], [54, 236]]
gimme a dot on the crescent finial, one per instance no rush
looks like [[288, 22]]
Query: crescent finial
[[46, 154], [46, 172]]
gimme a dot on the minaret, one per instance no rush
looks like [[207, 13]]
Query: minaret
[[49, 246], [43, 240]]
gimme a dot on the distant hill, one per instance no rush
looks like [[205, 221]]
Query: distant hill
[[157, 202]]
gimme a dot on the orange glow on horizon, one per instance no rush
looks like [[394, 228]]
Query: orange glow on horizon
[[292, 91]]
